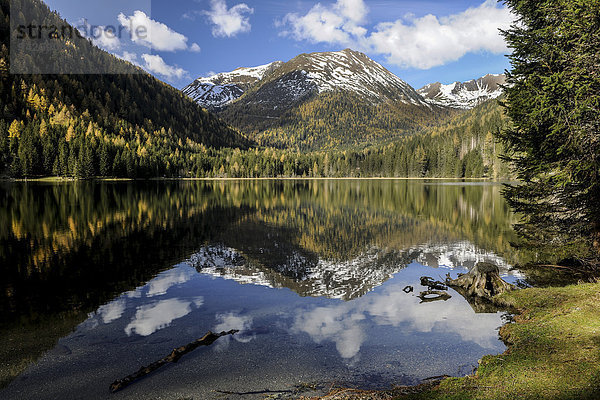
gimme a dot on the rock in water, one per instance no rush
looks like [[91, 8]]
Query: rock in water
[[483, 280]]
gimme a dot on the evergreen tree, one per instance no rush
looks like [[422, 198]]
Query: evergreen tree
[[105, 162], [86, 162], [553, 99]]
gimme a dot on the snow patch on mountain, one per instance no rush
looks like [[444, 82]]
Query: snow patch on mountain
[[464, 95], [277, 85], [355, 72], [216, 91]]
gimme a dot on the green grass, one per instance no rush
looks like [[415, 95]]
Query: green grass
[[553, 350]]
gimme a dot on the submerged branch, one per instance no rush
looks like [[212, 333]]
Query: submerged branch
[[175, 355]]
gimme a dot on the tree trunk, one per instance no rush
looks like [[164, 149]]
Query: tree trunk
[[483, 280]]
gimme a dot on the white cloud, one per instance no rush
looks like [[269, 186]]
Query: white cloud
[[338, 323], [195, 48], [112, 311], [155, 64], [153, 34], [231, 321], [421, 43], [129, 56], [354, 10], [335, 25], [105, 37], [191, 15], [344, 323], [229, 22], [431, 41]]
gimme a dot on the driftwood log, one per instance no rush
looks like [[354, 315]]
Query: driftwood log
[[483, 280], [431, 284], [175, 355]]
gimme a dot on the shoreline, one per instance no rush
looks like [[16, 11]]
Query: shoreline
[[552, 352], [54, 179]]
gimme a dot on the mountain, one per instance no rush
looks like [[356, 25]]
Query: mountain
[[319, 73], [124, 123], [344, 280], [221, 89], [306, 74], [464, 95], [317, 101]]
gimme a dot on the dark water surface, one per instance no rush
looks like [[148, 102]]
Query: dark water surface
[[101, 278]]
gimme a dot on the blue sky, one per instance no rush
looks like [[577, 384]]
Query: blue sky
[[420, 41]]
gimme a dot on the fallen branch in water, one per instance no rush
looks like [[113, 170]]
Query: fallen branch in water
[[175, 355]]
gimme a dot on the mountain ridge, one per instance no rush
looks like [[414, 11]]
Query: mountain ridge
[[345, 70], [126, 123], [216, 91], [464, 95], [302, 76]]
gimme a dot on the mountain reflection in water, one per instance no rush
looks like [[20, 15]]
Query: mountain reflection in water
[[97, 257]]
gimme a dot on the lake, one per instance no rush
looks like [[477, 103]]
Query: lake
[[100, 278]]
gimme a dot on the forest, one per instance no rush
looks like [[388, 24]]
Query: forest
[[126, 124], [53, 139]]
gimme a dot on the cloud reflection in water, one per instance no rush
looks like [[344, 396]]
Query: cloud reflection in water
[[165, 280], [158, 315], [112, 311], [229, 321], [345, 323]]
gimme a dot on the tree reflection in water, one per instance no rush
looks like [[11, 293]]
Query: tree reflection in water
[[67, 249]]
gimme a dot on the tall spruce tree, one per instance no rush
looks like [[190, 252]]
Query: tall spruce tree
[[553, 99]]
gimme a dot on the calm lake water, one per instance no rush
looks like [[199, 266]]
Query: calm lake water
[[102, 278]]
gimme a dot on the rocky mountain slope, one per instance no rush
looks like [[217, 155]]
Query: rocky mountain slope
[[218, 90], [463, 95], [319, 73], [345, 280], [306, 74], [322, 101]]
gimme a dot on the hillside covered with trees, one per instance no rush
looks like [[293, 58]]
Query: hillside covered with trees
[[123, 124], [462, 147], [332, 121]]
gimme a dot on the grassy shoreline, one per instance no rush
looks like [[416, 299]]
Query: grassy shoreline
[[553, 350]]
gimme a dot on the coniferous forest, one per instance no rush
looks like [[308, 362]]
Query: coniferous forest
[[124, 125]]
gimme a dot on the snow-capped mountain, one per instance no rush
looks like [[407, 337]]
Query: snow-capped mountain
[[331, 100], [282, 84], [464, 95], [345, 70], [218, 90]]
